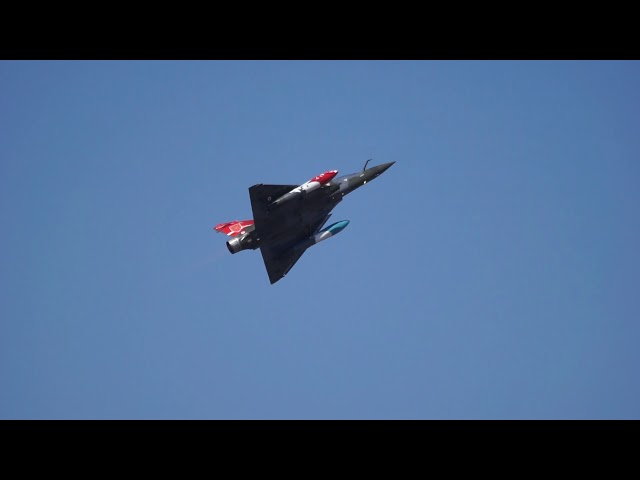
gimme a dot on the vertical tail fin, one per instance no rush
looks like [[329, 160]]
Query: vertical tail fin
[[237, 227]]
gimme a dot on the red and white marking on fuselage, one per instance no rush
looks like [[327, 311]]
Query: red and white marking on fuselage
[[316, 182], [313, 184]]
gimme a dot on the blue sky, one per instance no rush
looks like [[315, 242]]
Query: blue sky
[[491, 273]]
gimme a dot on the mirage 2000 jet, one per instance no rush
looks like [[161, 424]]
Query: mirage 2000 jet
[[288, 219]]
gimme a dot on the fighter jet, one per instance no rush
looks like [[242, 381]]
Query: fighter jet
[[288, 219]]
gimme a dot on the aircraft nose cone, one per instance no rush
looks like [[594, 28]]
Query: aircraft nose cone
[[380, 169], [385, 166]]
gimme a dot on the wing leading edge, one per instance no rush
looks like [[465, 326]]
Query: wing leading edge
[[279, 264], [281, 232]]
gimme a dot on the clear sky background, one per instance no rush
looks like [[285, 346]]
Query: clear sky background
[[492, 272]]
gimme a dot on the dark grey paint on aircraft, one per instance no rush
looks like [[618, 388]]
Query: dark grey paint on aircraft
[[278, 229]]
